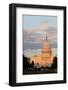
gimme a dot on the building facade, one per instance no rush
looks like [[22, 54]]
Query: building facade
[[45, 58]]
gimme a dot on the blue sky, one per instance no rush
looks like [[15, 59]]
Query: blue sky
[[33, 21], [34, 33]]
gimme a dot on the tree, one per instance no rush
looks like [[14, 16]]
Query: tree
[[26, 63], [32, 64], [54, 64]]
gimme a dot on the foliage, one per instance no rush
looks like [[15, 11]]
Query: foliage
[[54, 64]]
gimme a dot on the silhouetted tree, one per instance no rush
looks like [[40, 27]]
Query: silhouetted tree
[[54, 64], [32, 64], [26, 63]]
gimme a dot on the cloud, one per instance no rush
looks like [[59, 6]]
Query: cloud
[[35, 37]]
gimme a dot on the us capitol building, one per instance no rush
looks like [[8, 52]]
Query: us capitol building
[[45, 58]]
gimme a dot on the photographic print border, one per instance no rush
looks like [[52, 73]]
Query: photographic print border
[[12, 43]]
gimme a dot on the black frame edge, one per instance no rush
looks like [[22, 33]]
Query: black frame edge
[[12, 45], [65, 45], [38, 6]]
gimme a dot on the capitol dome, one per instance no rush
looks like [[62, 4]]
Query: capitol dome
[[45, 58], [46, 47]]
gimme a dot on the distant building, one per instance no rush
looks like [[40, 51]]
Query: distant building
[[46, 54], [45, 58]]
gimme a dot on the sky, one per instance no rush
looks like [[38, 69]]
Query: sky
[[34, 30], [33, 21]]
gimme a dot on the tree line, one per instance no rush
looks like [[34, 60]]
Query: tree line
[[27, 65]]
